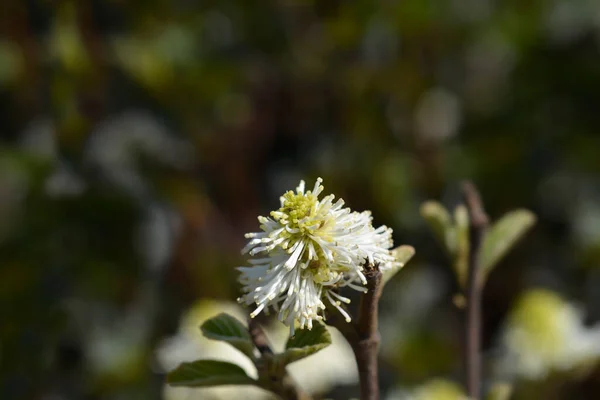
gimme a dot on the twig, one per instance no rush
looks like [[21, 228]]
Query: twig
[[363, 335], [277, 381], [477, 230], [367, 348], [259, 338]]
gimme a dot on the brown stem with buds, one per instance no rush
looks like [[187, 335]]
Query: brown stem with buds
[[478, 227], [363, 335]]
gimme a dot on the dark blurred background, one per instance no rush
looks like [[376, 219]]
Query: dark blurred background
[[140, 140]]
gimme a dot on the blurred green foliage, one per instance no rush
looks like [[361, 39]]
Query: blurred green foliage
[[140, 139]]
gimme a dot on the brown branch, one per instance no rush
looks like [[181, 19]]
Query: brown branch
[[366, 348], [363, 335], [478, 226], [277, 381], [258, 337]]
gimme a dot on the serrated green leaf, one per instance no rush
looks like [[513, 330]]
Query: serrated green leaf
[[440, 223], [402, 254], [204, 373], [228, 329], [503, 235], [304, 343]]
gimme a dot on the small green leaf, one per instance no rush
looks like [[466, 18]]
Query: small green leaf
[[503, 235], [402, 254], [304, 343], [461, 237], [228, 329], [440, 222], [204, 373]]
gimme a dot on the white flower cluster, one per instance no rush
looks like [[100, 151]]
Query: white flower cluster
[[306, 250], [435, 389], [545, 333]]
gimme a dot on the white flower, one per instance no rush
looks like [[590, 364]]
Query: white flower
[[436, 389], [114, 147], [544, 334], [308, 248]]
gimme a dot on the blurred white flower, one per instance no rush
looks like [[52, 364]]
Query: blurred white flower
[[114, 148], [156, 236], [39, 139], [310, 247], [545, 334], [567, 21], [115, 347], [64, 182], [436, 389], [437, 115]]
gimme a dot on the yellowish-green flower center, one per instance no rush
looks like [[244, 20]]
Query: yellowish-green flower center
[[300, 214], [320, 271], [296, 207]]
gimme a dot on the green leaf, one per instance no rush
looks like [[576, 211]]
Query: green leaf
[[440, 223], [461, 238], [304, 343], [503, 235], [204, 373], [402, 254], [228, 329]]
